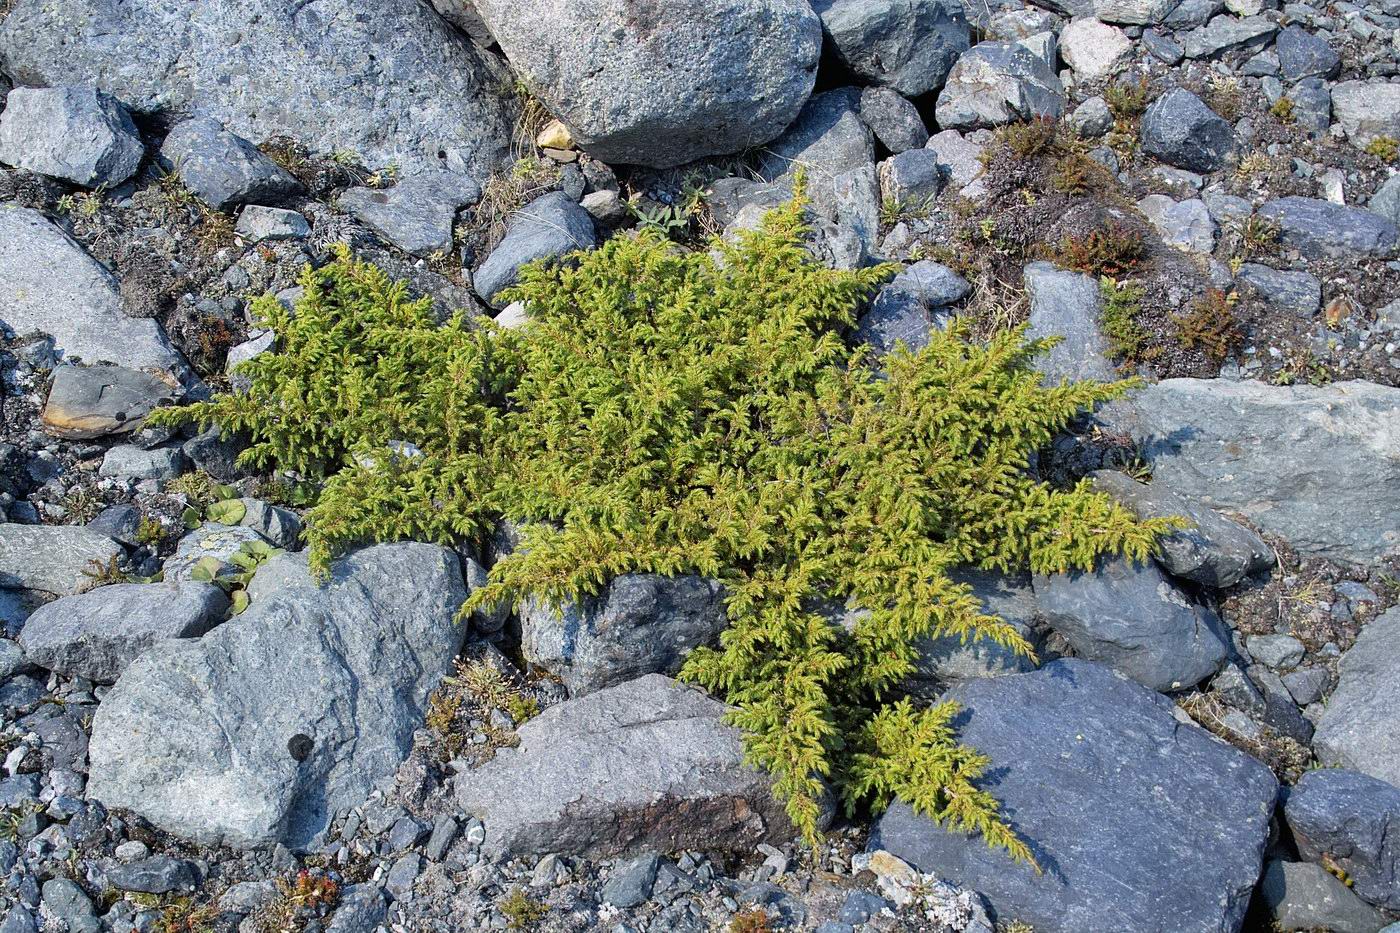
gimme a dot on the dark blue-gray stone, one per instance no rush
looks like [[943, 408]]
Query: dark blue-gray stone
[[1353, 820], [1133, 817], [631, 881], [910, 307], [1301, 54], [1179, 129], [1299, 292], [547, 227], [1322, 230]]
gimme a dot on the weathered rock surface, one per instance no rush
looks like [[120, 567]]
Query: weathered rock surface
[[1181, 130], [223, 169], [827, 140], [1301, 896], [99, 633], [942, 662], [662, 83], [1367, 109], [93, 401], [639, 624], [908, 45], [75, 133], [910, 306], [1352, 820], [1360, 728], [1227, 34], [1293, 459], [51, 284], [333, 74], [52, 558], [1106, 787], [1321, 230], [893, 119], [648, 764], [1130, 617], [1296, 291], [1214, 551], [546, 227], [265, 727], [1067, 304], [1302, 54], [1094, 49], [998, 82], [415, 215]]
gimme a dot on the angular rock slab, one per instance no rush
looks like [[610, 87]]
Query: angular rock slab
[[1322, 230], [1360, 728], [662, 82], [75, 133], [390, 81], [223, 169], [1067, 305], [51, 558], [548, 226], [1353, 820], [415, 215], [93, 401], [641, 623], [648, 764], [260, 731], [1107, 788], [908, 46], [1318, 465], [51, 284], [999, 82], [99, 633]]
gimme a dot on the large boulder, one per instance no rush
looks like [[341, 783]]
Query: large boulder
[[1106, 786], [1360, 727], [1181, 130], [51, 284], [77, 134], [1322, 230], [1130, 617], [646, 82], [1353, 821], [908, 45], [390, 81], [547, 227], [648, 764], [98, 634], [54, 559], [260, 731], [641, 623], [999, 82], [1318, 465]]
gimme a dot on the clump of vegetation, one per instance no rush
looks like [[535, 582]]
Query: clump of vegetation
[[103, 573], [521, 911], [1122, 301], [1283, 110], [178, 914], [753, 920], [676, 412], [1029, 139], [1225, 96], [246, 560], [1385, 148], [1127, 102], [1211, 326], [1110, 250], [477, 688], [1076, 173], [308, 895]]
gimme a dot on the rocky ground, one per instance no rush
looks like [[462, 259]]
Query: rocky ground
[[197, 737]]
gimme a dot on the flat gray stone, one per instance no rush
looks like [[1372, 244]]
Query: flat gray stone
[[415, 215], [639, 624], [648, 764], [94, 401], [1227, 34], [893, 119], [1281, 652], [1318, 465], [334, 75], [263, 729], [257, 223], [907, 46], [910, 307], [222, 169], [1302, 54], [76, 133], [1298, 292], [1366, 109], [52, 285], [1322, 230], [1106, 786], [546, 228], [98, 634], [946, 661], [52, 558], [1353, 820], [1186, 224], [137, 463], [1360, 727], [1067, 305], [827, 140], [911, 178], [209, 540]]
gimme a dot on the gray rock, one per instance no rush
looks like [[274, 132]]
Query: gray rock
[[1093, 49], [159, 874], [1386, 200], [399, 880], [609, 70], [93, 401], [1184, 224], [908, 45], [463, 15], [223, 169], [1214, 551], [330, 75], [445, 830], [908, 308], [258, 223], [1302, 54], [131, 462], [98, 634], [1081, 754], [1302, 896], [246, 897], [18, 919], [1322, 230], [910, 178], [639, 624], [894, 120], [281, 527], [1067, 304], [1133, 12], [631, 882], [1307, 685], [1294, 459], [998, 82], [1312, 105], [959, 157], [1298, 292], [1281, 652], [65, 900], [942, 662], [1280, 714], [362, 909], [1092, 118], [1162, 48], [547, 227], [1352, 820], [1179, 129], [75, 133], [648, 764], [1367, 109], [1191, 13], [52, 285], [52, 558], [221, 542], [1228, 34], [1130, 617], [827, 140], [415, 215], [1360, 728], [263, 729], [122, 522]]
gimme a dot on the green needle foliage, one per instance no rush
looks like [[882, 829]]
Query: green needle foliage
[[678, 412]]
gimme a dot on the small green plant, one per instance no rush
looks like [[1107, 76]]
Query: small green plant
[[308, 895], [700, 412], [1283, 110], [1225, 96], [1385, 148], [83, 205], [1110, 250], [150, 532], [1258, 235], [104, 573], [246, 561], [82, 504], [477, 688], [753, 920], [1030, 139], [1121, 304], [669, 220], [1211, 327], [1076, 173], [198, 488], [894, 210], [1126, 100], [521, 911]]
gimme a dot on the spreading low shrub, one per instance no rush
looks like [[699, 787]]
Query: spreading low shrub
[[677, 412]]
